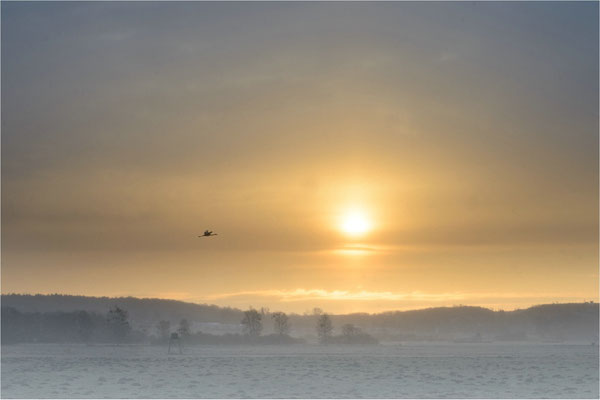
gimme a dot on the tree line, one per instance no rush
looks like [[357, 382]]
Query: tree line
[[68, 327], [351, 334], [252, 328], [549, 322], [115, 327]]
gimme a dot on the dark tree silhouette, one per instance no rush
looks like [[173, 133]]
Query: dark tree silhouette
[[117, 319], [324, 328], [12, 325], [184, 328], [252, 323], [281, 323]]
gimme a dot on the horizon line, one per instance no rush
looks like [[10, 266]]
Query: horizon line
[[302, 314]]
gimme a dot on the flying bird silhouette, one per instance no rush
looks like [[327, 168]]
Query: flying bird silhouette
[[208, 233]]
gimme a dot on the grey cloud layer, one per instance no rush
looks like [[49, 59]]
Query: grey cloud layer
[[110, 110]]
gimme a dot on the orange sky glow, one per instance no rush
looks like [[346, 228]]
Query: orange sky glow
[[354, 157]]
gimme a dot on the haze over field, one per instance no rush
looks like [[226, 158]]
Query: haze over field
[[59, 319], [350, 156]]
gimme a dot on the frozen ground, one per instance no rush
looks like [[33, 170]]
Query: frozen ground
[[391, 371]]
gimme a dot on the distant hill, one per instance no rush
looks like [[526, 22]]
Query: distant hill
[[549, 322], [140, 310]]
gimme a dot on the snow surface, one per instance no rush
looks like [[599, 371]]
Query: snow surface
[[411, 370]]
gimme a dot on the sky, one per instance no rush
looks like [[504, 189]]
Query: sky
[[357, 157]]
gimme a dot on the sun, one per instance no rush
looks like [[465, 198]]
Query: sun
[[355, 223]]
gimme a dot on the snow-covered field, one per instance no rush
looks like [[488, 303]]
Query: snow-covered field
[[410, 370]]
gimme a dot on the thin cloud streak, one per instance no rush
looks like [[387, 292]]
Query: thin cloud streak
[[364, 295]]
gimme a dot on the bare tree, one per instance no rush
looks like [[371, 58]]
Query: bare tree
[[252, 322], [117, 319], [184, 328], [164, 329], [324, 328], [281, 323]]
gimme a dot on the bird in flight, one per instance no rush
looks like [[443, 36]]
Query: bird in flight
[[208, 233]]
